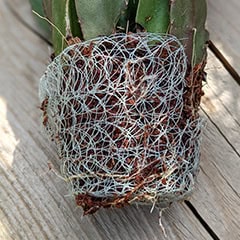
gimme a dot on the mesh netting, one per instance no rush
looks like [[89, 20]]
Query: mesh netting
[[114, 106]]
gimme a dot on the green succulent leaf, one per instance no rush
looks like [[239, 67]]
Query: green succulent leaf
[[47, 8], [45, 29], [87, 19], [99, 17], [61, 24], [65, 20], [127, 18], [74, 24], [188, 24], [153, 15]]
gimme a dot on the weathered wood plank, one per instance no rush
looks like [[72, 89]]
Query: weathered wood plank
[[222, 104], [217, 196], [222, 101], [22, 11], [33, 201], [222, 86], [224, 26]]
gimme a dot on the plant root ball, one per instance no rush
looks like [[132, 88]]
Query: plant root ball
[[116, 108]]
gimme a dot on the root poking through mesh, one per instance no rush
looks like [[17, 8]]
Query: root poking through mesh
[[161, 224], [120, 112]]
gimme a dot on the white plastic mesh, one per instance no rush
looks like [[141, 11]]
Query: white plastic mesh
[[114, 107]]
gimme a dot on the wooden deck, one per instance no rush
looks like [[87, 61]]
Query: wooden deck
[[35, 204]]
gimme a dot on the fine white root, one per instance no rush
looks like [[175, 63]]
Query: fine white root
[[160, 223], [114, 107]]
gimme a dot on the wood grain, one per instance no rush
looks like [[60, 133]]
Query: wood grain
[[35, 203], [223, 87], [218, 192], [21, 9], [222, 101], [217, 197], [223, 24]]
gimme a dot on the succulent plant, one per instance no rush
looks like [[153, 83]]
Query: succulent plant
[[121, 97]]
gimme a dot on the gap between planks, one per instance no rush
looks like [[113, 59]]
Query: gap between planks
[[224, 61], [32, 206], [223, 23]]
